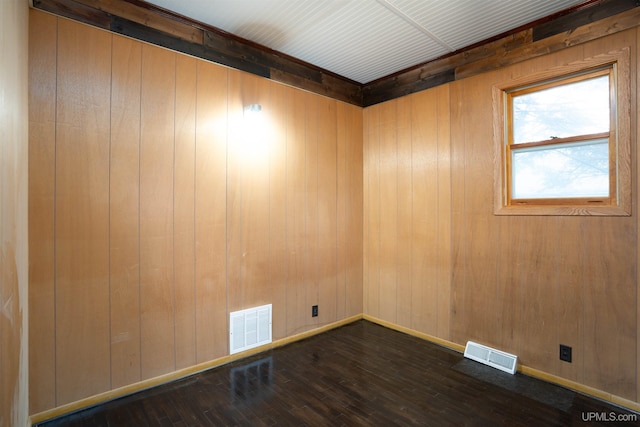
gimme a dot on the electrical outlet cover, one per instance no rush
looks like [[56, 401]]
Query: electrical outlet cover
[[565, 353]]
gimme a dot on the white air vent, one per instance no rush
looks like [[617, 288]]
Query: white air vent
[[249, 328], [492, 357]]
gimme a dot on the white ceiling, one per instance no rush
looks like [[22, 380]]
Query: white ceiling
[[364, 40]]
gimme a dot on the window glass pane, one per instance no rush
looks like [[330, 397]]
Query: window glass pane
[[561, 171], [579, 108]]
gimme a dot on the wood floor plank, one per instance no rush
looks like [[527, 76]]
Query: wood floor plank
[[361, 374]]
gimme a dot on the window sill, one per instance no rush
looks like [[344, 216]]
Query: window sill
[[563, 210]]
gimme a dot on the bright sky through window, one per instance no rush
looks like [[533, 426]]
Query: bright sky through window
[[566, 169], [578, 108]]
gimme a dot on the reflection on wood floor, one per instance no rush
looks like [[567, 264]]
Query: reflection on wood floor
[[359, 374]]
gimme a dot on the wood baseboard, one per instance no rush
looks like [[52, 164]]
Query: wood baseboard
[[182, 373], [179, 374], [449, 344], [532, 372]]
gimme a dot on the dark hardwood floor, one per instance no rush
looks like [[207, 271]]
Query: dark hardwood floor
[[359, 374]]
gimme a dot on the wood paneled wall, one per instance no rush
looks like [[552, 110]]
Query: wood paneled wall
[[407, 195], [14, 350], [437, 260], [154, 213]]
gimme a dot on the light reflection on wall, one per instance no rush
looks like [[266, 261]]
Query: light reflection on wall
[[255, 135]]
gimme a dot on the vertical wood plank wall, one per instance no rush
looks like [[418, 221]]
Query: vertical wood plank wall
[[438, 261], [14, 263], [81, 204], [42, 126], [635, 121], [124, 193], [153, 212], [407, 193]]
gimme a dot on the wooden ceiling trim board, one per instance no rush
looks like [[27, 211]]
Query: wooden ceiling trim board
[[604, 18], [582, 16], [160, 38], [76, 11], [395, 88], [578, 35], [219, 34], [327, 85], [234, 49], [155, 25], [409, 81], [147, 17]]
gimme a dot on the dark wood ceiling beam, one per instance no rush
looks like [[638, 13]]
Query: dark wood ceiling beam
[[144, 21], [580, 25], [149, 17], [437, 72], [555, 43], [582, 16], [553, 34], [160, 38], [75, 11]]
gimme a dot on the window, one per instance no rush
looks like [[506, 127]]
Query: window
[[563, 141], [560, 136]]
